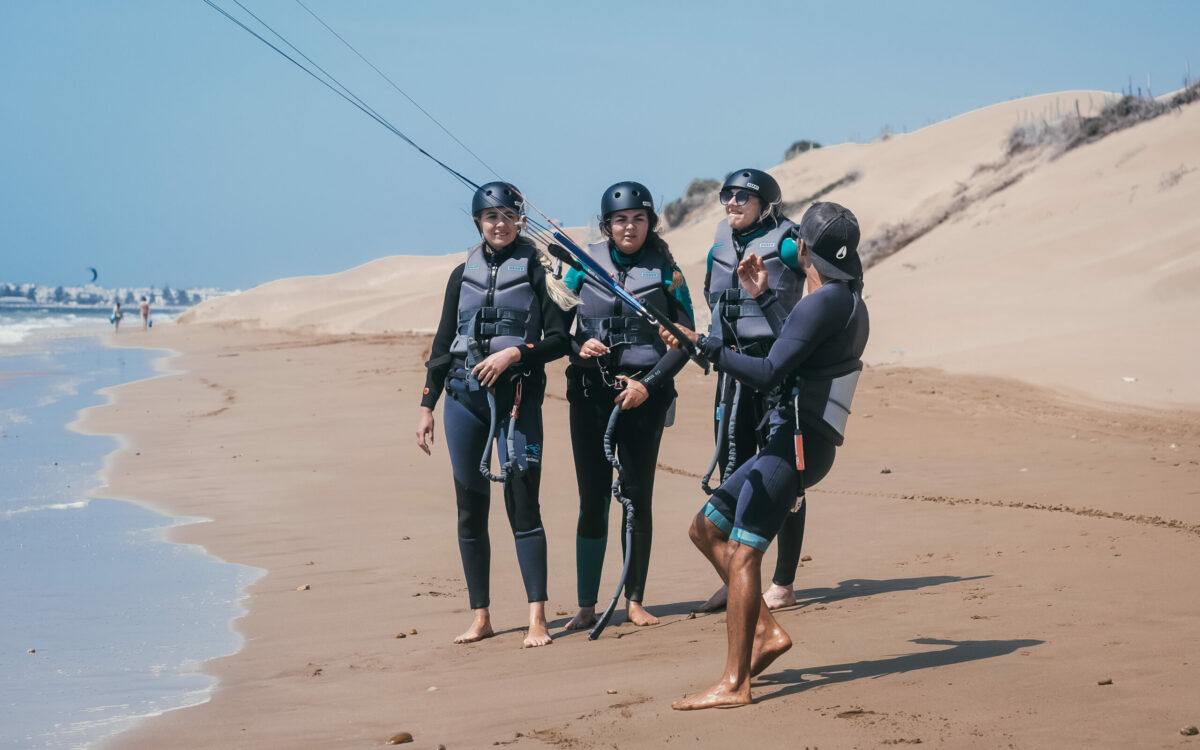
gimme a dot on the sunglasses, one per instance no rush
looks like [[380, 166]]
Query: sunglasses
[[737, 197]]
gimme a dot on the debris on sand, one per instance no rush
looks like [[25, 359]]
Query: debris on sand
[[806, 558], [610, 691], [1189, 731], [885, 470], [400, 738], [305, 587], [413, 631], [1106, 681], [560, 612], [31, 651], [401, 635]]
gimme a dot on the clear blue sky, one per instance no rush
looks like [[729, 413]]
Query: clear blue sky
[[161, 144]]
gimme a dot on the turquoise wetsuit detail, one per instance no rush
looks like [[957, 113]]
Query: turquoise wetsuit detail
[[789, 253], [574, 279]]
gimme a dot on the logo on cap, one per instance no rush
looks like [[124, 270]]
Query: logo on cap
[[841, 253], [647, 204], [752, 186]]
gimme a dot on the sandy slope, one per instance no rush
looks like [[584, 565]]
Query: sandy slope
[[1080, 274]]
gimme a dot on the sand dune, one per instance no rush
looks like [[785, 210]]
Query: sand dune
[[1077, 273]]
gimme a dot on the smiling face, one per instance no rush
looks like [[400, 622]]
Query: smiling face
[[498, 226], [744, 216], [629, 229]]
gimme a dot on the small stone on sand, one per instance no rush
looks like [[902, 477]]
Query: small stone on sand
[[32, 651], [305, 587], [610, 691], [691, 616], [401, 635], [806, 558], [1107, 681], [885, 470], [431, 689], [400, 738], [413, 631], [1189, 731], [561, 612]]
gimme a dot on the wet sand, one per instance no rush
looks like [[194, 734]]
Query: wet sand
[[984, 554]]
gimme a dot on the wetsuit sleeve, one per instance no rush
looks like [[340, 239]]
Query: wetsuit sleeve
[[673, 361], [555, 324], [439, 356], [817, 317], [773, 310]]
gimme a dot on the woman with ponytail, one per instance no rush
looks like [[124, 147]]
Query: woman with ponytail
[[502, 320]]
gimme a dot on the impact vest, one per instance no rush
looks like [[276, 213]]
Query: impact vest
[[819, 398], [734, 312], [635, 344], [497, 307]]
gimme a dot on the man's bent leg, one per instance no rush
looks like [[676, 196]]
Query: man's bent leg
[[744, 575]]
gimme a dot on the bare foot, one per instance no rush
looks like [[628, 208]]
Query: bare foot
[[584, 618], [768, 646], [779, 596], [717, 696], [538, 634], [637, 614], [480, 628], [716, 601]]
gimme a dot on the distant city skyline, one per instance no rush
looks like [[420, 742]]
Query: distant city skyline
[[157, 141]]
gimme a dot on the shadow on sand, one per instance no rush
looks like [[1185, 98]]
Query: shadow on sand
[[856, 587], [792, 681]]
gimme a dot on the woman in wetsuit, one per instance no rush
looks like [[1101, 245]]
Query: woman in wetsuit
[[618, 359], [809, 374], [503, 318], [753, 224]]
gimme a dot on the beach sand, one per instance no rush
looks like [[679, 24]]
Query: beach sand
[[1022, 548]]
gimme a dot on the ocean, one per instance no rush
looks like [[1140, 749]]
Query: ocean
[[102, 622]]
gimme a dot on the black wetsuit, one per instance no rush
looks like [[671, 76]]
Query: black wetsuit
[[466, 421], [826, 328], [636, 440], [750, 407]]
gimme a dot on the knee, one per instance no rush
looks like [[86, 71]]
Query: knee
[[472, 525], [700, 532]]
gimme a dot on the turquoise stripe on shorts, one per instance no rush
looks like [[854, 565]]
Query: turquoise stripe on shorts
[[719, 520], [750, 539]]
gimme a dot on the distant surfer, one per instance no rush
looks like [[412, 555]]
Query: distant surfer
[[809, 375], [144, 308], [619, 359], [753, 223], [116, 316], [502, 320]]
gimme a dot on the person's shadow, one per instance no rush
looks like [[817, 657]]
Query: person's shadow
[[793, 681], [855, 587]]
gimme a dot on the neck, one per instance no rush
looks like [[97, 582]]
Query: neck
[[812, 279]]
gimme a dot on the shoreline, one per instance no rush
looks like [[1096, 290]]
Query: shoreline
[[968, 559]]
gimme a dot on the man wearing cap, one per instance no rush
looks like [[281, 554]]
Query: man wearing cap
[[809, 374]]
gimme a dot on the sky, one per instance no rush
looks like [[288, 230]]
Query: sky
[[161, 144]]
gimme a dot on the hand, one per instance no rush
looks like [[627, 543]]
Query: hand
[[633, 395], [673, 342], [489, 370], [425, 430], [753, 275], [592, 348]]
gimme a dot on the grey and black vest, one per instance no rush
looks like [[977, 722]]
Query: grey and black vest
[[635, 344], [497, 306], [734, 312]]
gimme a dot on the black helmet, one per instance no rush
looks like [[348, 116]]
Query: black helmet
[[625, 196], [757, 180], [497, 195]]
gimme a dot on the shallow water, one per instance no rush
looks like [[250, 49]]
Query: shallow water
[[101, 621]]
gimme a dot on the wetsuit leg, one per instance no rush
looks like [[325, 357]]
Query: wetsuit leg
[[466, 424], [639, 433], [747, 436], [594, 477], [791, 540], [522, 488]]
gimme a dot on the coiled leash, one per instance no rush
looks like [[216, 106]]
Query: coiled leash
[[474, 357], [627, 504], [727, 429]]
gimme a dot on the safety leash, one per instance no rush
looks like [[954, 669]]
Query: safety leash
[[627, 505]]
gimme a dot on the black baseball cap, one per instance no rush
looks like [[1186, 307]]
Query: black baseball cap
[[831, 233]]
